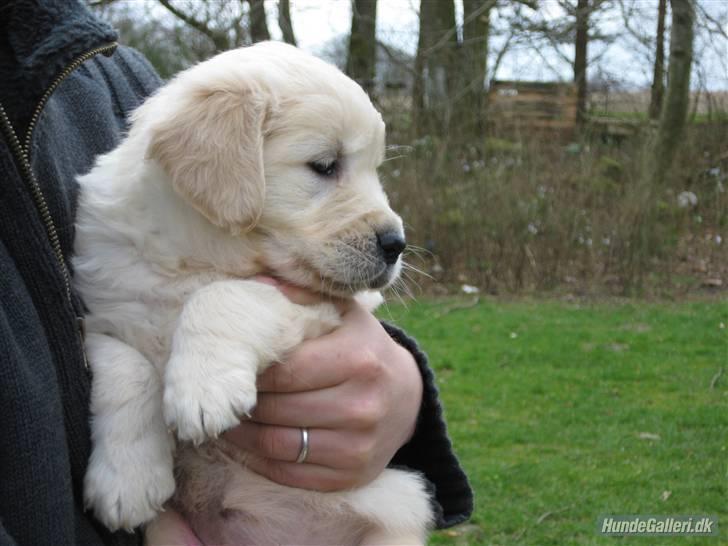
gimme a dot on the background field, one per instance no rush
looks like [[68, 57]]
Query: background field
[[563, 411]]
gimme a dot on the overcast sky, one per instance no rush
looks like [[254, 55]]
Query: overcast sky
[[318, 21], [624, 60]]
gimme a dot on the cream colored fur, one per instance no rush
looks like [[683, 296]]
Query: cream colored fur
[[212, 185]]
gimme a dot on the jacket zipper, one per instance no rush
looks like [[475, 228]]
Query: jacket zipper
[[78, 61], [22, 156]]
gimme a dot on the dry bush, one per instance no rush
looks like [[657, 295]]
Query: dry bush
[[532, 212]]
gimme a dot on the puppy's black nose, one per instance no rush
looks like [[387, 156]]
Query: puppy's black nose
[[392, 244]]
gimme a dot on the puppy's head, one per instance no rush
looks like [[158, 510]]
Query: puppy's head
[[272, 144]]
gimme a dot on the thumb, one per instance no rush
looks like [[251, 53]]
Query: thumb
[[169, 528]]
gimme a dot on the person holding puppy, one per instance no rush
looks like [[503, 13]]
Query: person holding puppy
[[66, 93]]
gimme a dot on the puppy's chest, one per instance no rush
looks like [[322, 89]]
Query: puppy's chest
[[143, 310]]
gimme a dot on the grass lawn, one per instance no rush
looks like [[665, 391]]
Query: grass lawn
[[562, 412]]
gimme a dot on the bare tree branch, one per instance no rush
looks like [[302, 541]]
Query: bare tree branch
[[501, 54], [394, 58], [627, 15], [713, 25], [220, 40]]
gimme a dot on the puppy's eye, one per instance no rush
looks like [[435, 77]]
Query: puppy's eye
[[324, 168]]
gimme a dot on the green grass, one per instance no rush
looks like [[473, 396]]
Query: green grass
[[547, 402]]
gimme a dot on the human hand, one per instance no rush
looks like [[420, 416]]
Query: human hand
[[170, 528], [355, 389]]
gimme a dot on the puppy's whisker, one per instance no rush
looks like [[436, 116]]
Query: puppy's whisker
[[418, 251], [409, 278], [399, 297], [417, 270], [359, 253], [395, 291], [368, 260], [405, 286], [388, 310], [406, 149]]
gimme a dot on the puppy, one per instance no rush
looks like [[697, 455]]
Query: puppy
[[262, 159]]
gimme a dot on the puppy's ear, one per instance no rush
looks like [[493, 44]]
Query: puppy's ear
[[212, 150]]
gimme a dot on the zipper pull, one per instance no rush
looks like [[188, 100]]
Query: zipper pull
[[81, 325]]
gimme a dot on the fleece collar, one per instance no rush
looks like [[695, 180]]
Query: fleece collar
[[38, 39]]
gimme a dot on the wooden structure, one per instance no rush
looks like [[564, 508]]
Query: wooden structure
[[614, 129], [525, 107]]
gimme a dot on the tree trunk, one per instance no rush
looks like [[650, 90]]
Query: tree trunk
[[474, 56], [284, 21], [677, 98], [658, 75], [434, 63], [580, 58], [362, 58], [258, 24], [418, 84]]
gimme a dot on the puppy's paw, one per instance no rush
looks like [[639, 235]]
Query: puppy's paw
[[198, 407], [125, 492], [317, 320]]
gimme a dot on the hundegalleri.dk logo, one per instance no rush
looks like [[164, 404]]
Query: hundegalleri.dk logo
[[648, 525]]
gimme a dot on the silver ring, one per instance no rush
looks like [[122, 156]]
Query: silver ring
[[304, 446]]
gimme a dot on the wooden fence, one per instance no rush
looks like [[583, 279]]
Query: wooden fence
[[522, 107]]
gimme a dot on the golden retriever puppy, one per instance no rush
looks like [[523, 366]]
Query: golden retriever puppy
[[262, 159]]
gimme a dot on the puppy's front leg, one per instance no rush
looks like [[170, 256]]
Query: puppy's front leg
[[129, 475], [228, 332]]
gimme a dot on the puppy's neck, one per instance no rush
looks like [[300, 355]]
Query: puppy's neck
[[177, 238]]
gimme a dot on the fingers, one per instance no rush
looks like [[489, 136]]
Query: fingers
[[298, 294], [335, 450], [301, 373], [326, 361], [170, 528], [313, 365], [351, 406], [283, 444], [279, 443]]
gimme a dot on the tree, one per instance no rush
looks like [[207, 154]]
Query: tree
[[581, 44], [169, 44], [658, 76], [434, 62], [474, 54], [258, 24], [677, 98], [284, 22], [577, 27], [362, 57], [220, 22]]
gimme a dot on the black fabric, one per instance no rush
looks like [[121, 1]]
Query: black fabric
[[38, 38], [430, 451], [44, 386]]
